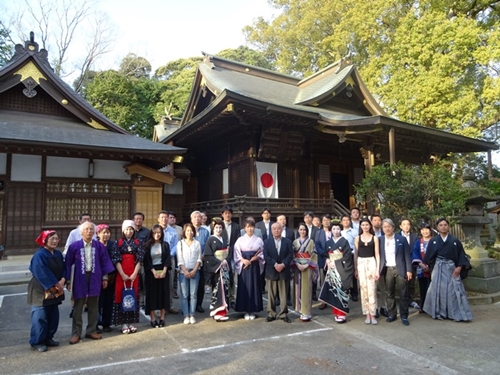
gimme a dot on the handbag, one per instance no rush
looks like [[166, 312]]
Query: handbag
[[129, 302]]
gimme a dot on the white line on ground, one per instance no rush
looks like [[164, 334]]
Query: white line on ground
[[397, 351], [11, 295]]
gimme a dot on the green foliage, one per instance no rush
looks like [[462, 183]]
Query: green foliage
[[419, 193], [6, 45], [126, 100], [432, 62]]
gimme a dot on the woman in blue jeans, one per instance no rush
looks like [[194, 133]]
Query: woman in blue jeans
[[189, 261]]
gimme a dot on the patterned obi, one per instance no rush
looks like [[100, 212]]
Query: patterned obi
[[221, 254], [335, 255], [302, 258]]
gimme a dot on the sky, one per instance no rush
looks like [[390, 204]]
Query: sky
[[163, 31]]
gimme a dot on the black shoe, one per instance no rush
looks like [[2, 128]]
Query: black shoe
[[40, 347], [377, 315], [270, 319], [390, 319], [286, 319], [354, 298], [200, 309], [405, 321], [384, 312], [51, 342], [71, 313]]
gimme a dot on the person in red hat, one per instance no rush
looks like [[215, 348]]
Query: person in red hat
[[46, 291]]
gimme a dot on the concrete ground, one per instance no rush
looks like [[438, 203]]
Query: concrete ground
[[256, 347]]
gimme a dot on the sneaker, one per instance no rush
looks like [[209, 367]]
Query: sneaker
[[192, 320], [186, 320], [247, 316], [415, 305], [251, 316]]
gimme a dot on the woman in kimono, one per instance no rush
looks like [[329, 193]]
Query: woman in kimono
[[217, 271], [305, 272], [107, 296], [157, 263], [127, 255], [366, 268], [446, 297], [340, 270], [249, 264], [423, 270], [46, 291]]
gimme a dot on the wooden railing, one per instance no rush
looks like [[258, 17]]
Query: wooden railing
[[244, 205]]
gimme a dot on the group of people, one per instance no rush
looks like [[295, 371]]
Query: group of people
[[237, 265]]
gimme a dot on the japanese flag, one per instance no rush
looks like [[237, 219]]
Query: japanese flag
[[267, 179]]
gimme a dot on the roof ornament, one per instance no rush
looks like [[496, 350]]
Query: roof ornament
[[31, 47]]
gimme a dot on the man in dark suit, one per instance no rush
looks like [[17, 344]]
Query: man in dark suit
[[290, 234], [308, 218], [286, 232], [265, 227], [395, 263], [265, 224], [322, 235], [411, 238], [278, 254], [230, 233]]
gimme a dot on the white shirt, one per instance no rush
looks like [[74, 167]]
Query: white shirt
[[277, 243], [88, 255], [390, 252], [188, 255]]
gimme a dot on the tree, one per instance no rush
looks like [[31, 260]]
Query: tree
[[6, 45], [420, 193], [126, 100], [63, 27], [432, 62]]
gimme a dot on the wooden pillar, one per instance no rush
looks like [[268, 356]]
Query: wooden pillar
[[392, 147]]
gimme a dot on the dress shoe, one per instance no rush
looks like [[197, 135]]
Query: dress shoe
[[322, 306], [270, 319], [40, 347], [286, 319], [384, 312], [405, 321], [390, 319], [173, 311], [51, 342], [93, 336], [74, 340], [200, 309]]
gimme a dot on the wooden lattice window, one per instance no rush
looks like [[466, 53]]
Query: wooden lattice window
[[106, 202]]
